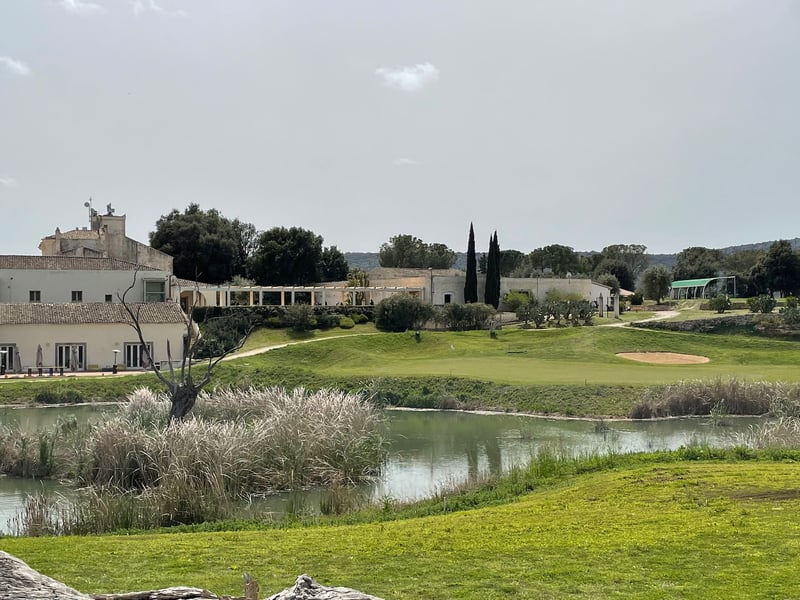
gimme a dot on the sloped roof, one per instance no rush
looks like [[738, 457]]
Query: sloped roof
[[68, 263], [34, 313], [76, 234], [687, 283]]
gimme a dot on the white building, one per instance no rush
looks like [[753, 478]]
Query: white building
[[69, 306]]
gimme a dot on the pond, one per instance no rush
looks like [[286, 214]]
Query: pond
[[431, 449]]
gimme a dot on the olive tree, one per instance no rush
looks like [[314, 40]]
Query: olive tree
[[656, 281]]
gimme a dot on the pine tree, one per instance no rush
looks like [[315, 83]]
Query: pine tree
[[471, 285]]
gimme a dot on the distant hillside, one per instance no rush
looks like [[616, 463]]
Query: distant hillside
[[369, 260]]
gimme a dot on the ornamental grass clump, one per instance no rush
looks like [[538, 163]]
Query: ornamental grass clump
[[240, 442], [700, 397]]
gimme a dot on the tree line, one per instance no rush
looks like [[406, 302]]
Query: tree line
[[208, 247]]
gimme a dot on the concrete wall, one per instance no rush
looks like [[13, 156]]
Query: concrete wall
[[100, 341], [56, 286]]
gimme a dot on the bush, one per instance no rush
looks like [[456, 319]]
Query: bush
[[346, 323], [636, 299], [791, 315], [301, 317], [719, 304], [401, 312], [465, 317], [359, 318], [327, 320], [762, 304]]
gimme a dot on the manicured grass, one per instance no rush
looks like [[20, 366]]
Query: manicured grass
[[272, 337], [566, 356], [661, 529]]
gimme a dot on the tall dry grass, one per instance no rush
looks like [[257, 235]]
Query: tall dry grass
[[236, 444], [734, 396]]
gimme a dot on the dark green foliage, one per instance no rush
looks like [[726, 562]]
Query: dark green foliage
[[510, 261], [401, 312], [609, 280], [204, 245], [618, 269], [326, 320], [633, 255], [762, 304], [300, 317], [637, 299], [558, 259], [696, 263], [491, 294], [333, 266], [471, 284], [221, 334], [720, 303], [287, 257], [465, 317], [779, 270], [407, 251], [656, 282]]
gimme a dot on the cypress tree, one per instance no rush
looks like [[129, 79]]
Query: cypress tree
[[491, 294], [471, 285]]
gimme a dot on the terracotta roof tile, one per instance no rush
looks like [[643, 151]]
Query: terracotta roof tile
[[68, 263], [35, 313]]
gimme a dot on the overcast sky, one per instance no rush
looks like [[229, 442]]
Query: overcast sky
[[585, 123]]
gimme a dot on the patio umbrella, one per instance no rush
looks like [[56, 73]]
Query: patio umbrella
[[39, 357], [17, 361], [73, 359]]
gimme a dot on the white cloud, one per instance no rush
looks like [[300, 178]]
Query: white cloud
[[80, 7], [404, 162], [409, 78], [8, 182], [15, 66], [142, 6]]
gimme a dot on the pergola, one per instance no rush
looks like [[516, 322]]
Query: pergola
[[696, 288]]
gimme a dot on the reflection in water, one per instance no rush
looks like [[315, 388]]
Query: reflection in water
[[431, 449]]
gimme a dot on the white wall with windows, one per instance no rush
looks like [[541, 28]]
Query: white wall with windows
[[89, 347], [60, 286]]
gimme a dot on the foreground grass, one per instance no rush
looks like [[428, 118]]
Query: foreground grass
[[266, 337], [655, 529]]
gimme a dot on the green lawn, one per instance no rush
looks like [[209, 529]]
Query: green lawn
[[652, 530], [265, 336], [566, 356]]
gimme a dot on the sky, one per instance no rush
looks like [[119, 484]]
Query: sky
[[577, 122]]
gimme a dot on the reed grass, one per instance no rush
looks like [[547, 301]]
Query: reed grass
[[704, 397], [236, 444]]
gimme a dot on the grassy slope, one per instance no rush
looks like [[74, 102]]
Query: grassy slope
[[660, 530], [564, 356]]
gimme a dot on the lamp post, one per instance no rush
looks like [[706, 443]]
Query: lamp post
[[114, 364]]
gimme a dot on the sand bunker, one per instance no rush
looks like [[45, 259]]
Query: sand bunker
[[665, 358]]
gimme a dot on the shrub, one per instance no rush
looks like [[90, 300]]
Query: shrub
[[762, 304], [274, 322], [401, 312], [359, 318], [465, 317], [346, 323], [636, 299], [327, 320], [301, 317], [790, 315], [719, 303]]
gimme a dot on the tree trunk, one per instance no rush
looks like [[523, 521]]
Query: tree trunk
[[183, 399]]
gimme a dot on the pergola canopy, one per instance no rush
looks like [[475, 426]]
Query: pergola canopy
[[696, 288]]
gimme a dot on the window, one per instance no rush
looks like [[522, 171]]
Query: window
[[109, 298], [136, 357], [448, 298], [35, 296], [77, 296], [154, 291], [71, 356], [7, 358]]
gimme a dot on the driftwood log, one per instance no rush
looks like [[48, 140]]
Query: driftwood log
[[19, 582]]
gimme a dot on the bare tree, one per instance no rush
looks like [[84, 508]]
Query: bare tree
[[181, 385]]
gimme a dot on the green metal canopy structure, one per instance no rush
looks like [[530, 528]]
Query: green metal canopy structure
[[697, 288]]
